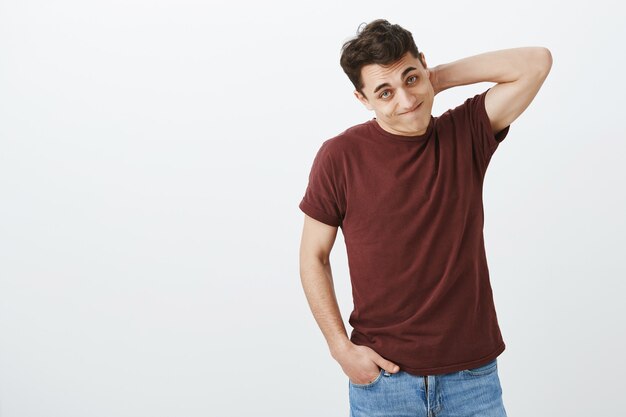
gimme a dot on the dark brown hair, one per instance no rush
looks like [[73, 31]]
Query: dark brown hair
[[379, 42]]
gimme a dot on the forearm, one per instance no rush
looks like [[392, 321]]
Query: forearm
[[500, 66], [317, 281]]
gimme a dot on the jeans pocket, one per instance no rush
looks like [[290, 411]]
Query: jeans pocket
[[369, 384], [485, 369]]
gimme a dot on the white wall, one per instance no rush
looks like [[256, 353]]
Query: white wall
[[152, 158]]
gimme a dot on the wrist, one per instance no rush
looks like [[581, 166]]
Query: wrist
[[340, 347]]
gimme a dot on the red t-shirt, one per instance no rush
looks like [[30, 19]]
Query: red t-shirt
[[411, 212]]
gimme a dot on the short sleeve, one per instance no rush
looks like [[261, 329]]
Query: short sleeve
[[484, 141], [322, 198]]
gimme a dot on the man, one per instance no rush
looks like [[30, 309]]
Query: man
[[406, 189]]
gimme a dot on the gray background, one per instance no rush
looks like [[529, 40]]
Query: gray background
[[152, 158]]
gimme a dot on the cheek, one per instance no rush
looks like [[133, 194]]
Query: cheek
[[390, 110]]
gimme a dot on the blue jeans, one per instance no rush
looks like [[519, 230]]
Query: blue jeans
[[472, 392]]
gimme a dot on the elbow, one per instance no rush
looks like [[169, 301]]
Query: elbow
[[543, 61], [313, 260]]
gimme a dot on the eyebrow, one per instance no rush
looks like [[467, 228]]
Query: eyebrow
[[405, 72]]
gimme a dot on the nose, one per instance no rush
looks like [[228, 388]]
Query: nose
[[406, 101]]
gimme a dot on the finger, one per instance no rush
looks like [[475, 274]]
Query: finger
[[387, 365]]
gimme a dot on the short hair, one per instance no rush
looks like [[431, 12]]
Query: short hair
[[379, 42]]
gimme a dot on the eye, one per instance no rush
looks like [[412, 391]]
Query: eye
[[412, 79], [385, 94]]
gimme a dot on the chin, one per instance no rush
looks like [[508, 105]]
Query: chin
[[418, 123]]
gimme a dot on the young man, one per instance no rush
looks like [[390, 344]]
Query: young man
[[406, 189]]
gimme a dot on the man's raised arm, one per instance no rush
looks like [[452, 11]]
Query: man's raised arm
[[519, 72]]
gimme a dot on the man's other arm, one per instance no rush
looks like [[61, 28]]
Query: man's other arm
[[518, 72], [360, 363]]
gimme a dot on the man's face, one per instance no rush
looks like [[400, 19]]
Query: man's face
[[400, 94]]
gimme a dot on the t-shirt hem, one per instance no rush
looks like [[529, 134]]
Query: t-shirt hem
[[455, 368]]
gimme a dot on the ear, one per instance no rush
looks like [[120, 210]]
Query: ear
[[363, 100], [423, 60]]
